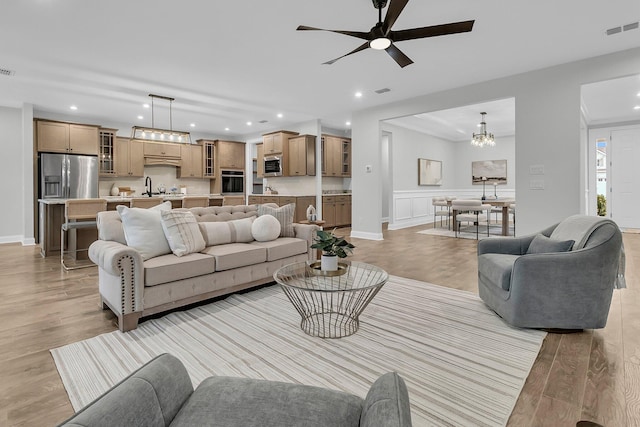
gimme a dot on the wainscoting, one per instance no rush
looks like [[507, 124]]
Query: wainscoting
[[412, 208]]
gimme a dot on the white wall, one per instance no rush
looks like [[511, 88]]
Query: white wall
[[464, 154], [12, 173], [547, 126]]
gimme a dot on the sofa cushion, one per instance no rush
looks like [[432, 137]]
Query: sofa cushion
[[169, 268], [236, 255], [542, 244], [225, 401], [265, 228], [223, 232], [497, 268], [284, 215], [283, 247], [182, 232], [143, 230]]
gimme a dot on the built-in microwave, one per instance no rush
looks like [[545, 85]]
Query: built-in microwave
[[272, 166]]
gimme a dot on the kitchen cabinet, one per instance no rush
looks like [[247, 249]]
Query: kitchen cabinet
[[106, 152], [343, 210], [275, 143], [230, 154], [302, 155], [208, 152], [161, 153], [329, 211], [191, 162], [302, 203], [129, 157], [260, 160], [336, 156], [60, 137]]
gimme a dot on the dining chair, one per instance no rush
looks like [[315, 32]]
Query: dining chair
[[439, 203], [232, 200], [470, 211], [78, 214]]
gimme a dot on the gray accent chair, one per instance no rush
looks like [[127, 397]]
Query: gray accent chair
[[161, 394], [557, 290]]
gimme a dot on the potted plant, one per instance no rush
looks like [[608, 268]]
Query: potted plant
[[332, 247]]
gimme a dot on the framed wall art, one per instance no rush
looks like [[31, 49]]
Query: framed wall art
[[429, 172], [490, 170]]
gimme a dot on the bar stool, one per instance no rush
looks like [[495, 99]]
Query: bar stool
[[232, 200], [195, 202], [145, 202], [79, 214]]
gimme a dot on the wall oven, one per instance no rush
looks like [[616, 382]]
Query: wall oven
[[272, 166], [232, 182]]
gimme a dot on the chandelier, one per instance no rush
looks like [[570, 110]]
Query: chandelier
[[162, 135], [483, 138]]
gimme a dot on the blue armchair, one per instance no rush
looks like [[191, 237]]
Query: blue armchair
[[531, 283]]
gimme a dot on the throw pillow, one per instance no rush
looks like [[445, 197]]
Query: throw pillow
[[223, 232], [542, 244], [265, 228], [182, 232], [284, 215], [143, 230]]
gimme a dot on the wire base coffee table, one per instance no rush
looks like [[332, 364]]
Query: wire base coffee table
[[330, 305]]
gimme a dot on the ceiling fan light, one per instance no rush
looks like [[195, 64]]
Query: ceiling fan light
[[381, 43]]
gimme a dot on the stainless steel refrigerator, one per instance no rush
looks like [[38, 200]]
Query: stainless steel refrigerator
[[68, 176]]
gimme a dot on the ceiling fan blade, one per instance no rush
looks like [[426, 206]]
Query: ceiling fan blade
[[394, 10], [432, 31], [356, 34], [402, 59], [356, 50]]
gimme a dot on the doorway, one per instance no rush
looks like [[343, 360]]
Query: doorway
[[624, 194]]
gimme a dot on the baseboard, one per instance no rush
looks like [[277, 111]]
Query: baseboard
[[366, 235], [30, 241], [11, 239], [410, 223]]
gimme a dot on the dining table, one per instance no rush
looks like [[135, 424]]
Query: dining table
[[503, 203]]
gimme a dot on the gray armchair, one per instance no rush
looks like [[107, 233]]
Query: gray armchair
[[531, 285], [160, 394]]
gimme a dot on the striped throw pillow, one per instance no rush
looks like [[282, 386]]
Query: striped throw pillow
[[284, 215], [182, 232], [223, 232]]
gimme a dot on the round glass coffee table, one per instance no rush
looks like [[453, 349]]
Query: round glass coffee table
[[330, 304]]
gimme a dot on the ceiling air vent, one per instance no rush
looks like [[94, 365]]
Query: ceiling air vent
[[383, 90], [5, 72], [627, 27], [263, 121]]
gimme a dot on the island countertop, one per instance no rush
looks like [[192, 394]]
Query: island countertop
[[127, 199]]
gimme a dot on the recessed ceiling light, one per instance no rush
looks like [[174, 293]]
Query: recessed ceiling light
[[226, 129], [358, 94], [145, 105], [638, 93], [637, 107], [348, 123], [73, 107], [192, 125], [279, 115], [140, 117], [249, 123]]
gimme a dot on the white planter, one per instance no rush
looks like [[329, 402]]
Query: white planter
[[329, 262]]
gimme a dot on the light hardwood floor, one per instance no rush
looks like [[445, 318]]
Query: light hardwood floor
[[593, 375]]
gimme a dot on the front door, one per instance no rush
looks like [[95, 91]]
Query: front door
[[624, 194]]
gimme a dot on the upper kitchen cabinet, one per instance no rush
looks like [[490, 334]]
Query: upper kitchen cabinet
[[302, 155], [192, 163], [106, 152], [230, 154], [336, 156], [275, 143], [129, 157], [209, 156], [260, 160], [60, 137]]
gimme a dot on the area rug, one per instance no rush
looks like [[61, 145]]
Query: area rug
[[465, 232], [462, 364]]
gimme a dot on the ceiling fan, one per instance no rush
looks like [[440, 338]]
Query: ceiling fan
[[382, 37]]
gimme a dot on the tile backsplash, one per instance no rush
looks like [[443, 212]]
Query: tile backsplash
[[165, 175]]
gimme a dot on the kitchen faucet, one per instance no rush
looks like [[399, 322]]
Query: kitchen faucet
[[148, 186]]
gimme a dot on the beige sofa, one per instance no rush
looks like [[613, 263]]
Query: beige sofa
[[133, 288]]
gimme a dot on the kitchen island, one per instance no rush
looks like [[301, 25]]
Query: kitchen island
[[51, 217]]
